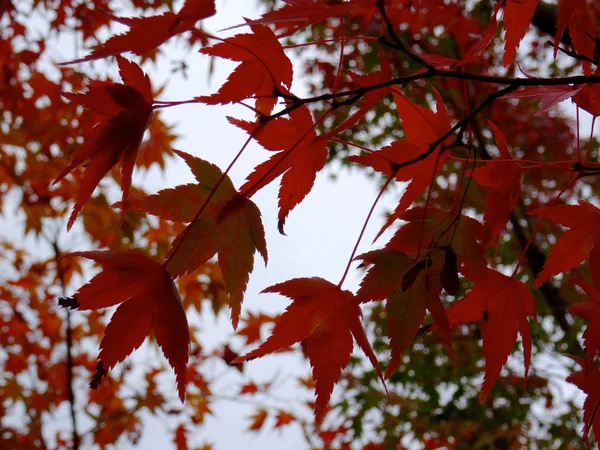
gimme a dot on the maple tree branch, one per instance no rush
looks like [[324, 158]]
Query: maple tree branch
[[69, 344]]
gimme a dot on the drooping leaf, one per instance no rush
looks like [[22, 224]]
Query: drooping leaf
[[148, 303], [125, 111], [230, 225], [406, 305], [582, 28], [328, 318], [503, 182], [517, 17], [501, 304], [588, 380], [589, 310], [575, 244], [300, 155], [421, 127]]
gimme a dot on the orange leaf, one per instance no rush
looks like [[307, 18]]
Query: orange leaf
[[126, 111], [149, 303], [230, 225], [327, 318]]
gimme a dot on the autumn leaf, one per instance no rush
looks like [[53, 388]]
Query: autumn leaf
[[438, 230], [300, 155], [501, 304], [406, 305], [264, 68], [125, 111], [588, 380], [148, 303], [517, 17], [548, 95], [328, 318], [297, 14], [589, 310], [421, 127], [230, 225], [147, 33], [582, 28], [575, 244], [503, 182]]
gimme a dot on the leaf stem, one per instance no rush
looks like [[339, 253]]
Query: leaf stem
[[364, 227]]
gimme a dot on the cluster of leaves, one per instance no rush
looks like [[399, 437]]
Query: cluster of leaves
[[479, 161]]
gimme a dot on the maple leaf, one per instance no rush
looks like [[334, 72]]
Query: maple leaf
[[582, 26], [473, 54], [328, 318], [126, 111], [548, 95], [589, 309], [517, 17], [405, 305], [503, 183], [264, 69], [230, 225], [501, 304], [421, 127], [588, 380], [301, 154], [149, 303], [436, 229], [148, 33], [588, 98], [575, 244]]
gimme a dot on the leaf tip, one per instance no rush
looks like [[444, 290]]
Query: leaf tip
[[100, 373], [68, 302]]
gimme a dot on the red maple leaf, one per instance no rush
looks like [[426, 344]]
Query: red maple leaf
[[148, 33], [582, 26], [149, 303], [503, 182], [517, 17], [126, 112], [501, 304], [421, 127], [588, 380], [548, 95], [589, 310], [328, 318], [264, 69], [301, 154], [406, 304], [575, 244], [230, 225]]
